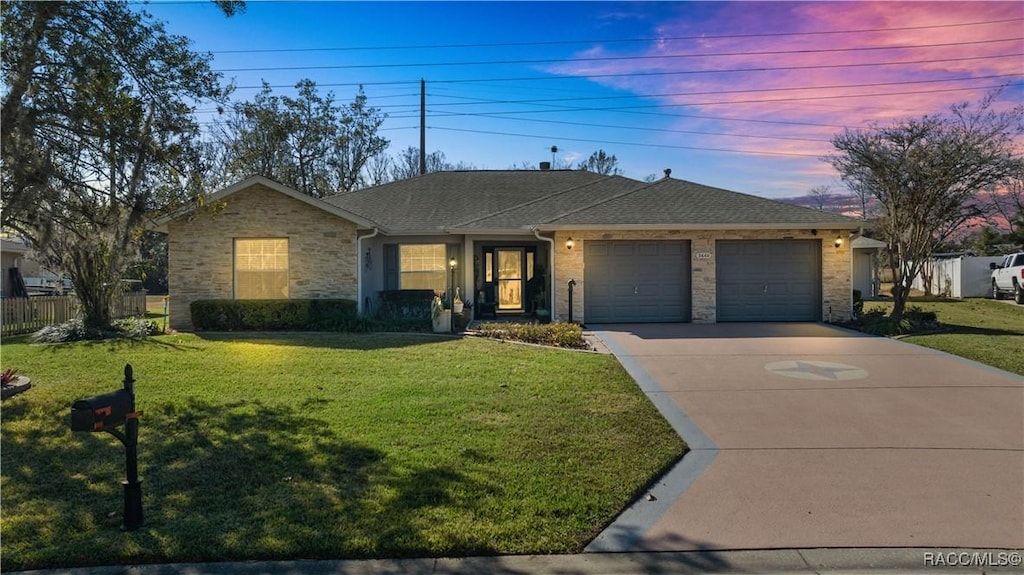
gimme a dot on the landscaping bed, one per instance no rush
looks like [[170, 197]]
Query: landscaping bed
[[323, 445], [983, 330]]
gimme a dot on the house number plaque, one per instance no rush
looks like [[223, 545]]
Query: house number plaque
[[702, 255]]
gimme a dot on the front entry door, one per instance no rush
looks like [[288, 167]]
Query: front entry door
[[510, 279]]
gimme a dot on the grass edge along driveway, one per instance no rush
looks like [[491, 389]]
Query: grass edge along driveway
[[982, 330], [273, 446]]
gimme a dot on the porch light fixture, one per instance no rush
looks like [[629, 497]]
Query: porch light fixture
[[368, 260], [839, 242], [568, 243]]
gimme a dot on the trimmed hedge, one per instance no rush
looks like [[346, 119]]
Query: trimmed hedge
[[558, 334], [275, 315]]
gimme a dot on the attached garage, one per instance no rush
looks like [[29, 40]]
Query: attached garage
[[637, 281], [768, 280]]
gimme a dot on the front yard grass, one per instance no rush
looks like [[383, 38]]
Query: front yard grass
[[983, 330], [274, 446]]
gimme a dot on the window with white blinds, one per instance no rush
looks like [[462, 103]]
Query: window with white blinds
[[261, 268], [423, 266]]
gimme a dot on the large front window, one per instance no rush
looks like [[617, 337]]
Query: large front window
[[261, 268], [423, 266]]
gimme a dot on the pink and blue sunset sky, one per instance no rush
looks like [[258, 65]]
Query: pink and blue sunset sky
[[740, 95]]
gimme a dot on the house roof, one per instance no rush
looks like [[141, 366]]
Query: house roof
[[523, 200], [519, 201], [438, 201], [161, 222], [678, 203], [863, 243]]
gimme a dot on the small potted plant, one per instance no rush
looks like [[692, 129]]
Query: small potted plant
[[441, 317], [12, 384], [457, 302]]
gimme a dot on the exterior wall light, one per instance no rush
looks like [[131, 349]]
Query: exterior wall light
[[839, 242], [569, 243]]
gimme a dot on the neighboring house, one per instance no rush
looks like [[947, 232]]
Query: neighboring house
[[18, 267], [666, 251], [12, 258]]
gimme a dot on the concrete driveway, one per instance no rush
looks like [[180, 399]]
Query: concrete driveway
[[806, 435]]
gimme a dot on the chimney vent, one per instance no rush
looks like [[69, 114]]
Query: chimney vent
[[668, 172], [545, 166]]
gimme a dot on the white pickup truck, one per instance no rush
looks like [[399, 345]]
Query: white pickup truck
[[1008, 277]]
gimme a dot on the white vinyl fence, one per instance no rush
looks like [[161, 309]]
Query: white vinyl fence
[[964, 276], [28, 314]]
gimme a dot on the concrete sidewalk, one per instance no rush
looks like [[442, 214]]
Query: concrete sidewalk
[[795, 561]]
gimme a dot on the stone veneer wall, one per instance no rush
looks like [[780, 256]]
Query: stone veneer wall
[[322, 256], [836, 270]]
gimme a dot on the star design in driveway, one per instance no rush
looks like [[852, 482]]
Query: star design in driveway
[[817, 370]]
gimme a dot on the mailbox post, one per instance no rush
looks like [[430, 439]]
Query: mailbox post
[[105, 413]]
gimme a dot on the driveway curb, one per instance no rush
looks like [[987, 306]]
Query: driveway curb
[[873, 560], [626, 531]]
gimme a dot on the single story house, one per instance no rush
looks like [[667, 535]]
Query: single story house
[[513, 241]]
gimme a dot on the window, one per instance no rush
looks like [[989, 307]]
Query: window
[[261, 268], [423, 266]]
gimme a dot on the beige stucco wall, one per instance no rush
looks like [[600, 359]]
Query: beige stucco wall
[[322, 256], [836, 286]]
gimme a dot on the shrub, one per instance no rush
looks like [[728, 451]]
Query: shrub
[[558, 334], [276, 315], [75, 330], [858, 303], [915, 320], [134, 327]]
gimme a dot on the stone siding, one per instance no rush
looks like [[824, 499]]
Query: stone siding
[[836, 288], [322, 256]]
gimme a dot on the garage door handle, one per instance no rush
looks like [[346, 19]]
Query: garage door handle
[[765, 288], [634, 290]]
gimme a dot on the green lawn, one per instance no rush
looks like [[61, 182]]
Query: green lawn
[[324, 446], [984, 330]]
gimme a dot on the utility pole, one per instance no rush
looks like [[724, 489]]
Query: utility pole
[[423, 126]]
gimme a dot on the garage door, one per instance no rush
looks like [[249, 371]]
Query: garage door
[[776, 280], [643, 281]]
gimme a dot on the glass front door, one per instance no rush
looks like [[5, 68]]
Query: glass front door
[[510, 279]]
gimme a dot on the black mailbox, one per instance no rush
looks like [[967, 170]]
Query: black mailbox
[[106, 413], [102, 412]]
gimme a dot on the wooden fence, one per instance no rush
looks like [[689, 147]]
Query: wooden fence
[[25, 315]]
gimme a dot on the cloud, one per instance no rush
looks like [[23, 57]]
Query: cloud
[[817, 82]]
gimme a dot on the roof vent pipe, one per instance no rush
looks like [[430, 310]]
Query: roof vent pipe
[[668, 172], [545, 166]]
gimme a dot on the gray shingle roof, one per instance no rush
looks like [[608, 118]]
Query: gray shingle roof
[[441, 200], [523, 199], [679, 202]]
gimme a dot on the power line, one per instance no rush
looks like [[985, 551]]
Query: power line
[[640, 128], [610, 41], [617, 143], [666, 73], [607, 58], [627, 109], [484, 101]]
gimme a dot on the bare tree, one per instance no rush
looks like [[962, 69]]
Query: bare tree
[[925, 174], [819, 196], [601, 163]]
